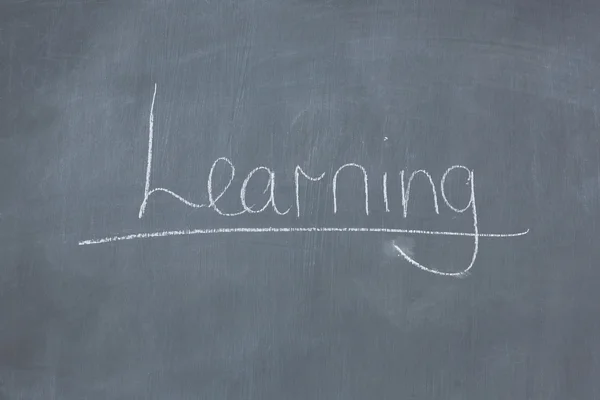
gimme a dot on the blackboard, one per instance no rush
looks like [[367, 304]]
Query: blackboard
[[299, 199]]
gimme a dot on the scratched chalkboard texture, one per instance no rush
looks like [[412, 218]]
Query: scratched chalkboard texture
[[300, 199]]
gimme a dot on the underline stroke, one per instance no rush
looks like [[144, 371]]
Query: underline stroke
[[216, 231]]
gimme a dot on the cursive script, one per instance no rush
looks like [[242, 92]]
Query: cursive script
[[215, 194]]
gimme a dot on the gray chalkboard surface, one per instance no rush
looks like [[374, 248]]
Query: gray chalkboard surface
[[298, 199]]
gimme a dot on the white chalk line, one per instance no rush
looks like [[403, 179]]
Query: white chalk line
[[216, 231]]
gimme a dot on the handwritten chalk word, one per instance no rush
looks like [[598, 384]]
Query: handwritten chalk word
[[299, 174], [213, 197]]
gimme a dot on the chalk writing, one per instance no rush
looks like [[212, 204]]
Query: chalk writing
[[384, 188], [270, 187], [214, 197], [212, 201], [366, 185], [406, 190], [297, 173]]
